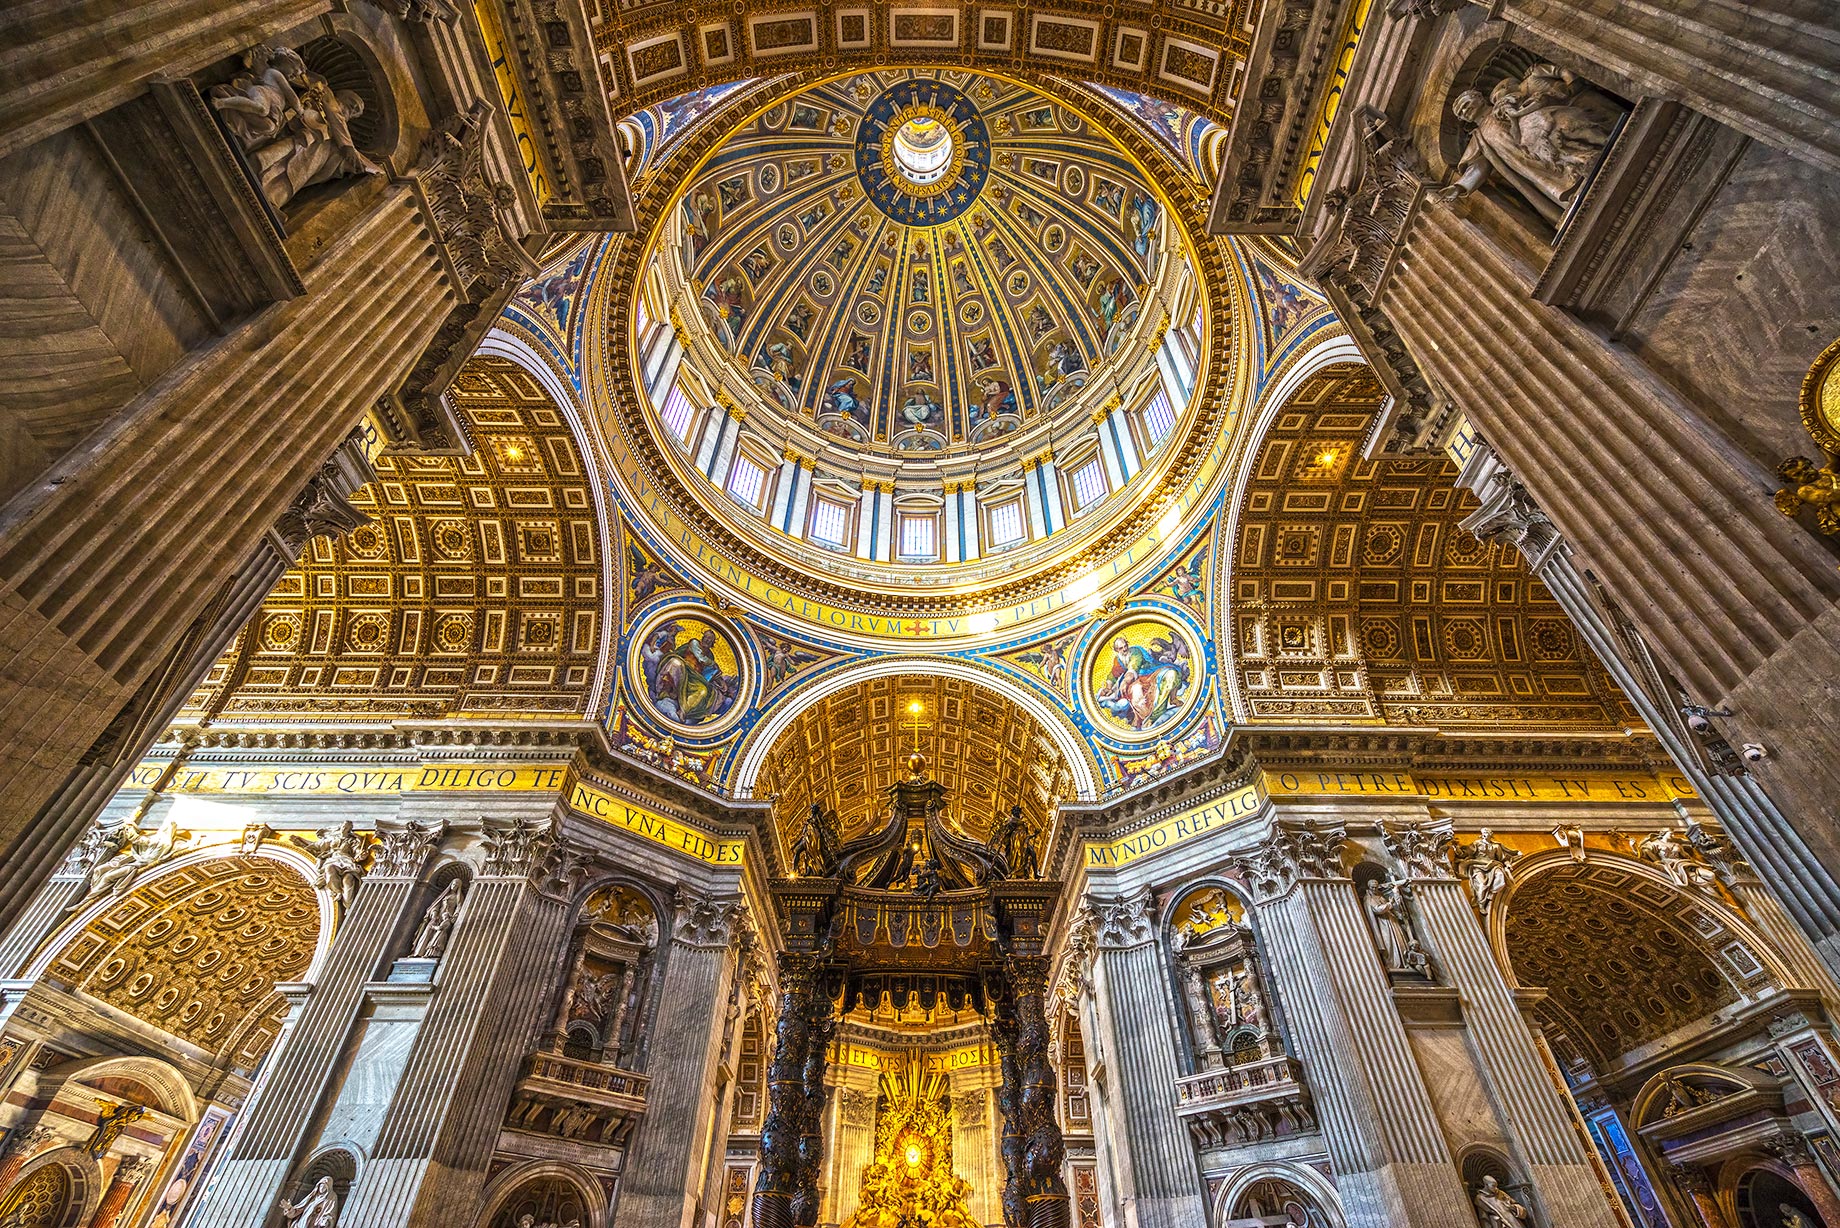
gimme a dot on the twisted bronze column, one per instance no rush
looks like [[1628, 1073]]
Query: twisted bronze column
[[782, 1130], [1013, 1143], [811, 1132], [1044, 1190]]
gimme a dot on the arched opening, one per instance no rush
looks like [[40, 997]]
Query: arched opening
[[843, 751], [1277, 1202]]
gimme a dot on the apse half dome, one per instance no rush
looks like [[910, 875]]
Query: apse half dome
[[921, 318]]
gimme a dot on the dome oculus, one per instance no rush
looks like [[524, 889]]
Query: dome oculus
[[922, 152]]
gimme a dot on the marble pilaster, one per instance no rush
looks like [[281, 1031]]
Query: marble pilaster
[[490, 1003], [273, 1129], [1392, 1162], [1799, 883], [1160, 1183], [666, 1153], [104, 569], [1741, 611], [1532, 1111]]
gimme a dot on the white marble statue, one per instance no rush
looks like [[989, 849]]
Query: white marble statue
[[1571, 838], [1539, 136], [294, 128], [437, 924], [341, 855], [319, 1209], [1677, 859], [1494, 1209], [131, 853], [1485, 864], [1386, 912]]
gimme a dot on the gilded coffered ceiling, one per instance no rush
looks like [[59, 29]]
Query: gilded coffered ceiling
[[1355, 593], [845, 750], [476, 587], [172, 954], [1190, 52]]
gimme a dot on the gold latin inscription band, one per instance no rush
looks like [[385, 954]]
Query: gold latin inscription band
[[584, 796], [1198, 820]]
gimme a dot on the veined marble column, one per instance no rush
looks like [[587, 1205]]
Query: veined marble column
[[1392, 1162], [661, 1168], [128, 1175], [249, 1177], [1531, 1109], [19, 1151], [1160, 1183], [490, 1003]]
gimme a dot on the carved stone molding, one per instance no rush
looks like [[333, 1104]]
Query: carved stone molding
[[1125, 922], [1419, 847], [703, 921], [400, 853], [1291, 854]]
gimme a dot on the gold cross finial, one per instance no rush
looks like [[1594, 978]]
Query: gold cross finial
[[916, 709]]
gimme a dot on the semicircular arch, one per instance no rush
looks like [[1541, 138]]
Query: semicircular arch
[[1075, 752], [1604, 930]]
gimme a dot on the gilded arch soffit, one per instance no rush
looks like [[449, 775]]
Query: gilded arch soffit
[[197, 953], [845, 750], [1626, 958], [1132, 547], [1188, 53], [1352, 594], [474, 590]]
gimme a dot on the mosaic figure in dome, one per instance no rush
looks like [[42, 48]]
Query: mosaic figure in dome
[[1147, 678], [690, 672]]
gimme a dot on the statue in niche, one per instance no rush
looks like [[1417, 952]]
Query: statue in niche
[[319, 1209], [437, 925], [341, 856], [1494, 1209], [1677, 859], [1390, 915], [1539, 135], [293, 127], [1485, 863]]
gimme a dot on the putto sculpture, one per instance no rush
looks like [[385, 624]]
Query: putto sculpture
[[1539, 135], [293, 127]]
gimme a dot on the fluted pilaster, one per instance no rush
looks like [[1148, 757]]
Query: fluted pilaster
[[1530, 1106], [665, 1159], [249, 1178], [1161, 1184], [491, 1000]]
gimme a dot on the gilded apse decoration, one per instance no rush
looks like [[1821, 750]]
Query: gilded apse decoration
[[911, 1178], [688, 670], [197, 953], [1140, 677], [1356, 593], [476, 588]]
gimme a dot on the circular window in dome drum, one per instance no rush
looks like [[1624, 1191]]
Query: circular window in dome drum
[[922, 152]]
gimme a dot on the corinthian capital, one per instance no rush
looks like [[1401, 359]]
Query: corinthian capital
[[1510, 516], [400, 853], [703, 921], [1419, 847], [1123, 921], [1291, 853], [324, 508]]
